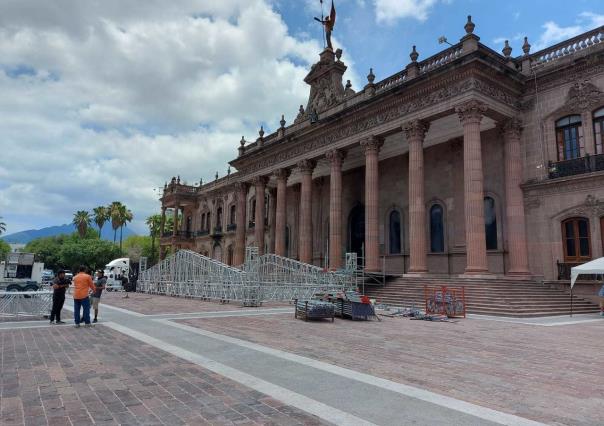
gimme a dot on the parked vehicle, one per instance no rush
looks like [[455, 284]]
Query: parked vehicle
[[121, 274], [19, 272], [47, 276]]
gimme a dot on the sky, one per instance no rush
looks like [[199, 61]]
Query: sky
[[106, 100]]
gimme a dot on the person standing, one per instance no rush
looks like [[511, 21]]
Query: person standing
[[99, 285], [82, 283], [59, 286]]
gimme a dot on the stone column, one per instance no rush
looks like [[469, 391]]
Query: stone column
[[175, 228], [272, 218], [162, 226], [260, 185], [470, 115], [335, 157], [281, 214], [240, 216], [372, 147], [415, 132], [514, 200], [305, 230]]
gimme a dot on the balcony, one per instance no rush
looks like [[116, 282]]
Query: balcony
[[251, 224], [576, 166], [184, 234], [231, 227], [217, 231], [202, 233]]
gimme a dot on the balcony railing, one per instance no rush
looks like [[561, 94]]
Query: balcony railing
[[184, 234], [217, 230], [564, 272], [202, 233], [231, 227], [576, 166]]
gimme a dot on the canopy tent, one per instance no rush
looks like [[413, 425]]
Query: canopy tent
[[593, 267]]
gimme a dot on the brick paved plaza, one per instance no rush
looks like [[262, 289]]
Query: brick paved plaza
[[207, 363]]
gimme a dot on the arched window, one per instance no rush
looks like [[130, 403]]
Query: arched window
[[599, 130], [208, 221], [395, 232], [203, 221], [230, 255], [253, 210], [490, 223], [189, 222], [576, 239], [569, 137], [232, 214], [437, 229]]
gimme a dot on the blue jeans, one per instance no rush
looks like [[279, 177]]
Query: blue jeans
[[85, 304]]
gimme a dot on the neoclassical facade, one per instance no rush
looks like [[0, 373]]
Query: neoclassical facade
[[470, 163]]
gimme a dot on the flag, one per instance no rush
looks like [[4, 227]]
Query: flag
[[332, 14]]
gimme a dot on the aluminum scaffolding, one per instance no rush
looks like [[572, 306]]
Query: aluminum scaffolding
[[260, 278]]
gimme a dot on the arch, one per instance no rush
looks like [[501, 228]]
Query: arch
[[229, 259], [576, 239], [252, 210], [569, 137], [232, 214], [208, 221], [490, 223], [219, 217], [437, 228], [356, 230], [203, 221], [217, 252]]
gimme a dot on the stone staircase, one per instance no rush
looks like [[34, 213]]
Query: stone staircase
[[503, 297]]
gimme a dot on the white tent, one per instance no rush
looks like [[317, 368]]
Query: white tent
[[593, 267]]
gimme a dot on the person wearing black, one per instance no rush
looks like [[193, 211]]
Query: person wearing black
[[99, 286], [59, 286]]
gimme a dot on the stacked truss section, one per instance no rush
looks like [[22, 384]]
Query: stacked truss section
[[261, 278]]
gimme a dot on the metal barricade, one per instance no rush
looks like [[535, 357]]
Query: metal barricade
[[445, 301], [15, 304]]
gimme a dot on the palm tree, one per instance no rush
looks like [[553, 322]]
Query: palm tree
[[114, 214], [126, 217], [82, 220], [100, 216], [154, 224], [2, 226]]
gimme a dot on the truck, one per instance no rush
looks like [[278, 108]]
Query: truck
[[20, 272], [121, 274]]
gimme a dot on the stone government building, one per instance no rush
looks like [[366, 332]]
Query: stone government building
[[469, 163]]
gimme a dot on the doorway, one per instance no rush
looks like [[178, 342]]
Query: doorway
[[356, 231]]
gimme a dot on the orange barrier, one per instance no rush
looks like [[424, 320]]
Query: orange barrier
[[445, 301]]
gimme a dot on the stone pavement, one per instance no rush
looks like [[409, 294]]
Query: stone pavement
[[474, 372], [65, 376], [549, 374]]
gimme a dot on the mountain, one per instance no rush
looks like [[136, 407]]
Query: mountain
[[25, 237]]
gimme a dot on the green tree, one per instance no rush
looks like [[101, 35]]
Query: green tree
[[136, 246], [93, 253], [82, 220], [115, 209], [4, 249], [100, 216], [127, 217], [2, 226], [47, 250], [154, 224]]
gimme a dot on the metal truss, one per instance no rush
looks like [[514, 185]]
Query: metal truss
[[15, 304], [261, 278]]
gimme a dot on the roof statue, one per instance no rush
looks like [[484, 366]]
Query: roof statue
[[328, 23]]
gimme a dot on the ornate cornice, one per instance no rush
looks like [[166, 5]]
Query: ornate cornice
[[471, 112], [415, 129]]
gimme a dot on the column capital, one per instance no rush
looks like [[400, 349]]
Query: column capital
[[372, 144], [241, 186], [306, 166], [415, 129], [260, 181], [511, 128], [282, 174], [335, 156], [471, 111]]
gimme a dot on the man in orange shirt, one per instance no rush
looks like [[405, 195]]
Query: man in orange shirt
[[82, 283]]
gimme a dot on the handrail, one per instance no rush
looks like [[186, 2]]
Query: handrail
[[568, 47], [440, 59]]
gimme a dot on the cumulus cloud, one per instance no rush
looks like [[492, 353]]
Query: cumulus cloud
[[554, 33], [389, 11], [103, 101]]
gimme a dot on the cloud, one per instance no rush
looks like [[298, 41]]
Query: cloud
[[389, 11], [104, 101], [554, 33]]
